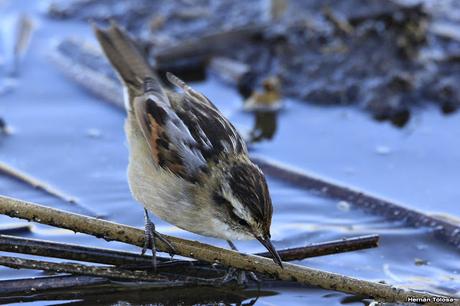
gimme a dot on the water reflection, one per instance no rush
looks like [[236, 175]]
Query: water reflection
[[265, 125], [398, 118], [116, 295]]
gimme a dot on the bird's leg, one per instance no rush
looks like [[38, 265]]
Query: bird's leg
[[149, 239], [241, 275]]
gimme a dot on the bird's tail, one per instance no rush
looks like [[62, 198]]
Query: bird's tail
[[131, 65]]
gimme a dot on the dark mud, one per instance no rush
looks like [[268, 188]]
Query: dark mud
[[378, 55]]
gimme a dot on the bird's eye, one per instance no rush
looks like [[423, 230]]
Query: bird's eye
[[243, 222]]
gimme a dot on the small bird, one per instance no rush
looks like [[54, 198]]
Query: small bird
[[269, 100], [188, 164]]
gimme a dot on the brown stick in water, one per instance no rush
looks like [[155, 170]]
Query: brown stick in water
[[114, 257], [443, 229], [290, 272]]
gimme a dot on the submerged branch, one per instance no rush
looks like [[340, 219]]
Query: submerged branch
[[30, 285], [113, 231], [72, 251], [114, 257], [35, 183], [73, 268], [445, 230], [106, 272]]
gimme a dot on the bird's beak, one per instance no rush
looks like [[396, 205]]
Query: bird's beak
[[269, 246]]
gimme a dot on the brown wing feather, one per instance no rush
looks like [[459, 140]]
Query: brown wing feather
[[186, 132], [153, 119], [155, 130], [213, 132]]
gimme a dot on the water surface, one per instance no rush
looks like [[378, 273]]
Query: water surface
[[76, 142]]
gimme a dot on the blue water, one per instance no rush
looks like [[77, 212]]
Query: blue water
[[74, 141]]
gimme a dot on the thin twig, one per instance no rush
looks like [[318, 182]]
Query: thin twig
[[29, 285], [36, 183], [107, 272], [25, 27], [446, 231], [206, 45], [93, 80], [73, 268], [113, 257], [72, 251], [113, 231], [341, 24], [327, 248]]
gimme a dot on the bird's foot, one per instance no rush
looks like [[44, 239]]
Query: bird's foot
[[149, 240]]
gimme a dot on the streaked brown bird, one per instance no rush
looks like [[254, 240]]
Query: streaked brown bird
[[188, 164]]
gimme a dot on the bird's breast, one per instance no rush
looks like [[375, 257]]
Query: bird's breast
[[171, 197]]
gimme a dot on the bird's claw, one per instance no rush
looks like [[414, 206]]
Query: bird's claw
[[149, 240]]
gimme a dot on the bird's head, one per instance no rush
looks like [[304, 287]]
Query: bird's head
[[244, 197]]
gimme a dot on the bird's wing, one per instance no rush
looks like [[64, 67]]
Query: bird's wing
[[189, 93], [187, 134], [214, 133]]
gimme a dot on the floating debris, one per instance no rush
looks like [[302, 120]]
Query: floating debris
[[16, 33]]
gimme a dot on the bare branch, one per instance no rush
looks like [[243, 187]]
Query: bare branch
[[114, 257], [327, 248], [38, 184], [72, 251], [29, 285], [113, 231], [442, 229], [107, 272], [35, 183]]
